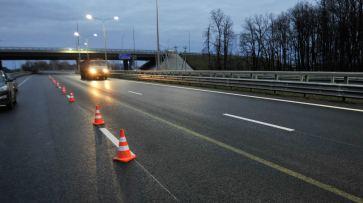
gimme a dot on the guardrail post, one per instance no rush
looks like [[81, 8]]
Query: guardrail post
[[301, 78], [306, 78], [224, 75], [239, 75], [256, 77], [252, 76], [346, 80], [276, 77], [332, 79]]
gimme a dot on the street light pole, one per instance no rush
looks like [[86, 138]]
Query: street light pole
[[189, 39], [79, 52], [104, 32], [77, 34], [104, 39], [133, 36], [157, 33]]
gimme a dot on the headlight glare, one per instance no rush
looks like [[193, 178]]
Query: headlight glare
[[105, 70], [93, 70]]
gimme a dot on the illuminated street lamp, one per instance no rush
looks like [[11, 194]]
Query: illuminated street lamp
[[104, 34], [77, 34]]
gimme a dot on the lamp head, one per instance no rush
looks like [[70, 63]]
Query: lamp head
[[116, 18], [76, 34], [95, 35], [89, 16]]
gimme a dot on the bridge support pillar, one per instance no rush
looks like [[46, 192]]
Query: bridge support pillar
[[126, 64]]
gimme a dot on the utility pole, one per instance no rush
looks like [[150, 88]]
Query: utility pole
[[176, 57], [185, 57], [157, 33], [79, 53]]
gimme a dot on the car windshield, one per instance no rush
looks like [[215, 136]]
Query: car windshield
[[9, 75], [97, 63]]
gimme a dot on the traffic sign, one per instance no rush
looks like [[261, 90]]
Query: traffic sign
[[124, 56]]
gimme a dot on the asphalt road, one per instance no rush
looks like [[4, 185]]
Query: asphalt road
[[192, 144]]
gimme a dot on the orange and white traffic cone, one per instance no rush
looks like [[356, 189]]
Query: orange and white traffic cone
[[124, 154], [57, 84], [98, 117], [64, 90], [54, 81], [71, 98]]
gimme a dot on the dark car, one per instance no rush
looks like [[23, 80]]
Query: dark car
[[15, 83], [7, 91]]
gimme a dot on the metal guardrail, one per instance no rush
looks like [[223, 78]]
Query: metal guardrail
[[329, 89], [19, 74], [256, 75]]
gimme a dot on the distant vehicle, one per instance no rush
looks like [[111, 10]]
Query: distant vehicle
[[94, 68], [15, 83], [7, 91]]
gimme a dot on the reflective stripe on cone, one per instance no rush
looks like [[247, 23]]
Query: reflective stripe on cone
[[98, 118]]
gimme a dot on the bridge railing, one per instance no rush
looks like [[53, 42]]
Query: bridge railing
[[325, 83], [38, 49]]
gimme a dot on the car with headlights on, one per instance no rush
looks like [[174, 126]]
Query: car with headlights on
[[7, 91], [15, 83], [93, 69]]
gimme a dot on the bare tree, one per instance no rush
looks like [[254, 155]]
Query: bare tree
[[228, 39], [217, 18], [207, 49]]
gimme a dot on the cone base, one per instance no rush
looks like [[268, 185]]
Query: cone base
[[98, 123], [64, 92], [72, 100], [124, 159]]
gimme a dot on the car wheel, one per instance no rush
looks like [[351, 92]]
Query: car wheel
[[10, 105]]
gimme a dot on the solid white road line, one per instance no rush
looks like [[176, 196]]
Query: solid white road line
[[25, 80], [114, 140], [110, 136], [135, 93], [68, 96], [266, 98], [259, 122], [157, 181]]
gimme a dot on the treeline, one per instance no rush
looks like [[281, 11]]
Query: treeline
[[327, 36], [52, 65]]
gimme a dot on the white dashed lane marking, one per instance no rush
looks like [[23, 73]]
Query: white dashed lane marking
[[259, 122]]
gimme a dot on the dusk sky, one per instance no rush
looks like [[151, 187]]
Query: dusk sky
[[52, 23]]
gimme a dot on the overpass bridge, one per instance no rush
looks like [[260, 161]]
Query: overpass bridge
[[51, 53]]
